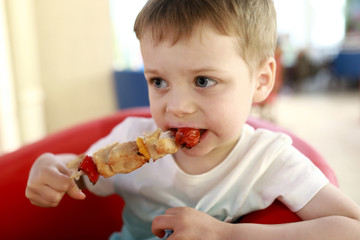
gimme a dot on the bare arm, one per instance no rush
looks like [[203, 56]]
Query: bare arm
[[329, 215], [332, 227]]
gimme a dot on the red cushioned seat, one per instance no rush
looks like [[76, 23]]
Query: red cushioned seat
[[95, 217]]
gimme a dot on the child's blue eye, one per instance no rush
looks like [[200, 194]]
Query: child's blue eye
[[159, 83], [204, 82]]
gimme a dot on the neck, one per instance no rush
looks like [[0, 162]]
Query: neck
[[196, 165]]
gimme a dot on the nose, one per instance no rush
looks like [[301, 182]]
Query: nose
[[180, 104]]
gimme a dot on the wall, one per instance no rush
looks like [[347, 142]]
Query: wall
[[25, 66], [62, 60], [9, 135], [76, 57]]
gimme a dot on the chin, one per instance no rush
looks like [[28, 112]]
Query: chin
[[198, 151]]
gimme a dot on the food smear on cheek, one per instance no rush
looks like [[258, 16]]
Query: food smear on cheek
[[187, 137]]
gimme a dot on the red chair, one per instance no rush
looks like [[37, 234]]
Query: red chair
[[95, 217]]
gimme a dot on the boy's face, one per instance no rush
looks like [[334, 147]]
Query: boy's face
[[201, 83]]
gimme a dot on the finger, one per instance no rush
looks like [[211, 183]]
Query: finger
[[178, 211], [64, 170], [57, 179], [72, 189], [59, 182], [159, 233], [159, 224], [44, 196], [165, 222], [63, 183], [174, 210], [75, 192], [41, 202]]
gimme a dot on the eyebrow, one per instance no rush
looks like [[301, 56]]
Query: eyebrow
[[151, 71], [194, 70], [205, 69]]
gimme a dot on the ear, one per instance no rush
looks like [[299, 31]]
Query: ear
[[265, 79]]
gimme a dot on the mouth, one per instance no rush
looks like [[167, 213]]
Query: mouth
[[187, 137], [174, 130]]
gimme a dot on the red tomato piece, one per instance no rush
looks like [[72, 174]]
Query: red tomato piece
[[187, 137], [90, 169]]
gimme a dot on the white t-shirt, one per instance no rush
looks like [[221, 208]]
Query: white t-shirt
[[262, 167]]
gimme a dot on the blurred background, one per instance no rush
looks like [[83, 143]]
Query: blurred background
[[64, 62]]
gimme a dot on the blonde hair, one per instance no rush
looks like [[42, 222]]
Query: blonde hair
[[252, 22]]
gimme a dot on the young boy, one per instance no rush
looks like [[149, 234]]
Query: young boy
[[206, 62]]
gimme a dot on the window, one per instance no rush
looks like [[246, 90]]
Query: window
[[127, 51]]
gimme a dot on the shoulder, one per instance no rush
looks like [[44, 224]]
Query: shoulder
[[285, 172], [264, 140], [258, 150], [272, 148]]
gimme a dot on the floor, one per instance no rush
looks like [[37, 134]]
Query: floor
[[331, 123]]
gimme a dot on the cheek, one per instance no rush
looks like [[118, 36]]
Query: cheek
[[231, 120], [229, 114], [156, 109]]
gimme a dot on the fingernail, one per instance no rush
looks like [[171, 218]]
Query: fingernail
[[82, 194]]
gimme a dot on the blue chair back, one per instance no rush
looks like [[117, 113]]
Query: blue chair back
[[131, 89]]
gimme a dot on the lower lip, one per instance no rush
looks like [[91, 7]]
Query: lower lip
[[203, 135]]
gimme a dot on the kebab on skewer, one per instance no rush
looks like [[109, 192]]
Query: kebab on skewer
[[126, 157]]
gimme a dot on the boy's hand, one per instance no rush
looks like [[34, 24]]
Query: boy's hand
[[188, 223], [49, 180]]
